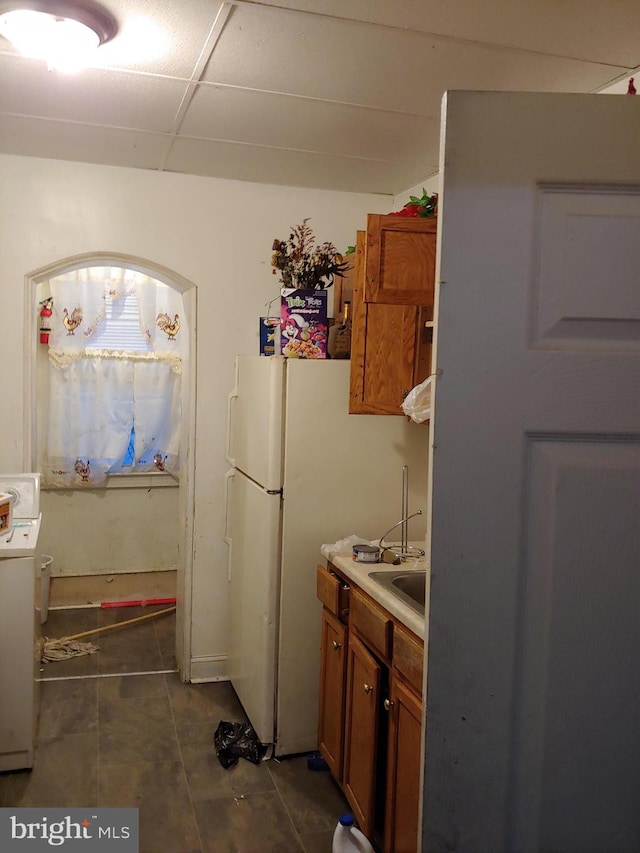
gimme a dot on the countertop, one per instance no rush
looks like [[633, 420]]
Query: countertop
[[358, 573]]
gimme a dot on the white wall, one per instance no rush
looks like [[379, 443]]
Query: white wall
[[218, 234], [430, 184], [110, 531]]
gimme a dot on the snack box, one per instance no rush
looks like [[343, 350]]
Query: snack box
[[269, 335], [303, 323]]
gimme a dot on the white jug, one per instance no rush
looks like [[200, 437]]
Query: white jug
[[347, 838]]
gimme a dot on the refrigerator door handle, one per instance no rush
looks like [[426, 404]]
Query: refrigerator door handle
[[232, 396], [228, 477]]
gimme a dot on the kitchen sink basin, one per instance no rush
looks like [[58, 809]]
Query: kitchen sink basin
[[407, 586]]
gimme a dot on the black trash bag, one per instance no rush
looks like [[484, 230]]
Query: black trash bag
[[237, 740]]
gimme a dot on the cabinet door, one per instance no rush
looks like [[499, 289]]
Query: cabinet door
[[384, 357], [392, 330], [332, 683], [361, 735], [403, 769], [400, 260]]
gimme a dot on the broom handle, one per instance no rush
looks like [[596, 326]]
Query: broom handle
[[120, 624]]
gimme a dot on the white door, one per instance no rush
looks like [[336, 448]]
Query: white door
[[533, 720], [253, 537]]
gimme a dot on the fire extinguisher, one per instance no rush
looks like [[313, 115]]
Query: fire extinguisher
[[45, 320]]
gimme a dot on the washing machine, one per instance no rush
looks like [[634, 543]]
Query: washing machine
[[19, 623]]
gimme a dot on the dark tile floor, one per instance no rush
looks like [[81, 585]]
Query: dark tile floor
[[147, 646], [110, 737]]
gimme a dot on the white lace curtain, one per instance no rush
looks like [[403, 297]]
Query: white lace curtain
[[96, 396]]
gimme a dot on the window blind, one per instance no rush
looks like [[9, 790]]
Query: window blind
[[120, 329]]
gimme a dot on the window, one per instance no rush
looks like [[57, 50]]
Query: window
[[115, 359], [119, 329]]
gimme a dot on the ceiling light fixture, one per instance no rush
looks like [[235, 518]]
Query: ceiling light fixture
[[65, 33]]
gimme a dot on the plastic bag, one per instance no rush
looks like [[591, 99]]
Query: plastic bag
[[343, 546], [237, 740], [417, 403]]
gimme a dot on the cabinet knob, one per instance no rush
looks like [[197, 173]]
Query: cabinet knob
[[336, 645], [388, 704], [367, 688]]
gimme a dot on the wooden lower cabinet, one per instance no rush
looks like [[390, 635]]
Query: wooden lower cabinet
[[370, 714], [333, 670], [361, 734], [403, 769]]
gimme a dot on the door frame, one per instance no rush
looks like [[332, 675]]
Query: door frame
[[186, 498]]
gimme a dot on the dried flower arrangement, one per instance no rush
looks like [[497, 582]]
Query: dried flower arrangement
[[302, 264]]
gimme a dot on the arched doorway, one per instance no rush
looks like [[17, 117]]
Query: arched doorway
[[185, 498]]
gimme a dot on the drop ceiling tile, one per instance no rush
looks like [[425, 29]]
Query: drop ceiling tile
[[368, 90], [283, 121], [590, 30], [94, 96], [158, 36], [291, 168], [594, 31], [32, 137], [282, 51]]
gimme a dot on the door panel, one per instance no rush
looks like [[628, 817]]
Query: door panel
[[577, 682], [587, 236], [534, 601]]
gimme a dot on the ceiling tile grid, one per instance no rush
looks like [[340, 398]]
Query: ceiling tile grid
[[95, 96], [265, 118], [81, 142], [341, 94], [283, 166]]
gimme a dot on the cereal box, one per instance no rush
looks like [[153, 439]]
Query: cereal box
[[269, 335], [303, 323]]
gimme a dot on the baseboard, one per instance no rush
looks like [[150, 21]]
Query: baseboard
[[93, 590], [209, 668]]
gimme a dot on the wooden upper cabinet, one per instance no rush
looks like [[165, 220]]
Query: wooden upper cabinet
[[388, 354], [400, 260], [392, 330]]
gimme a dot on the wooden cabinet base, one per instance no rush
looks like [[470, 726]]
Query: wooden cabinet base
[[370, 712]]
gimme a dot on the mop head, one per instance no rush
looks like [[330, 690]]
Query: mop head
[[69, 647], [53, 650]]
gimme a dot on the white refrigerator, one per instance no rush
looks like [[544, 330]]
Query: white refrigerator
[[304, 473]]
